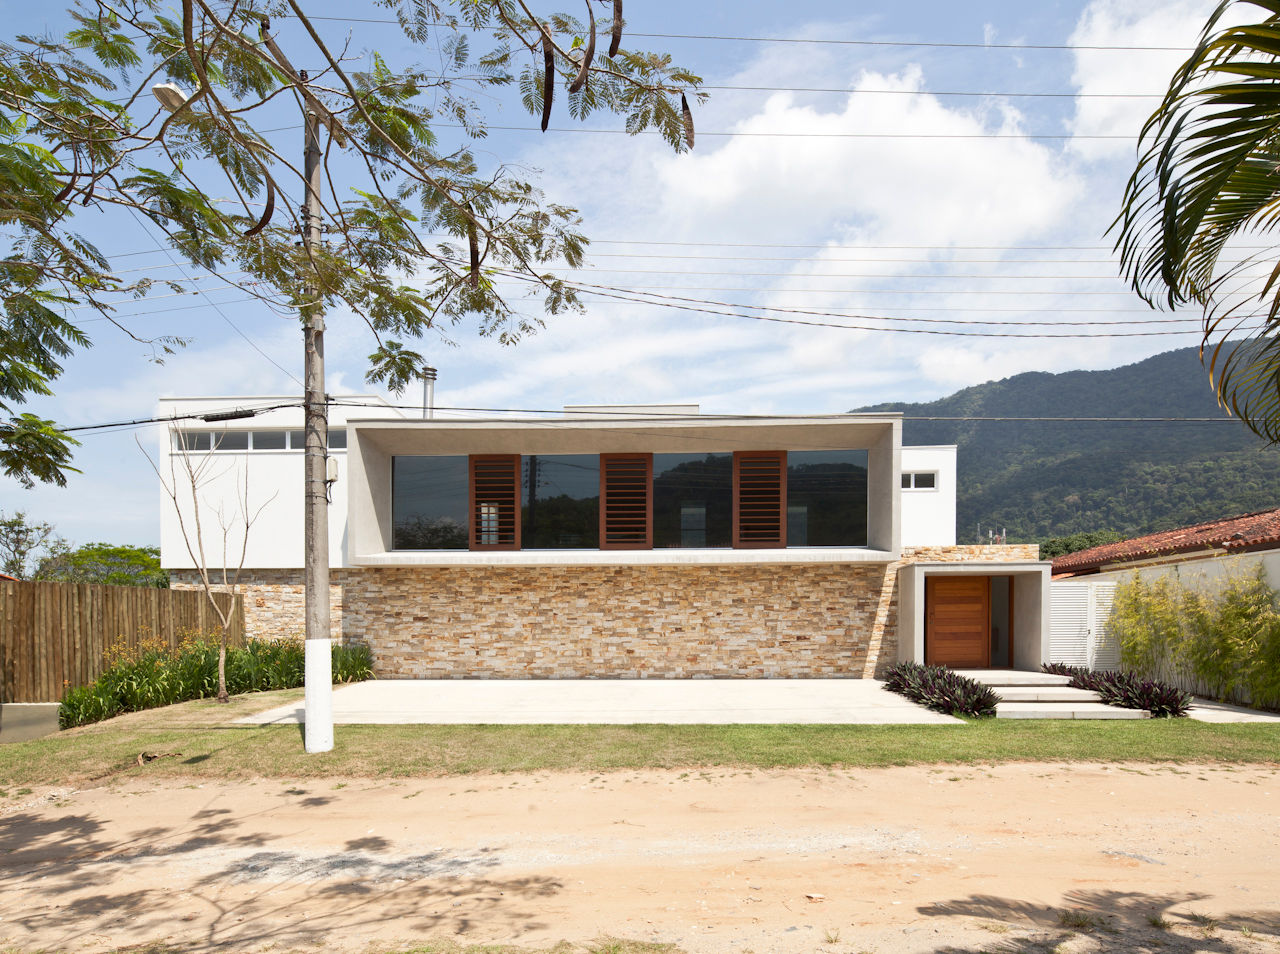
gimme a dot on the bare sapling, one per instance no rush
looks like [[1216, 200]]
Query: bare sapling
[[188, 475]]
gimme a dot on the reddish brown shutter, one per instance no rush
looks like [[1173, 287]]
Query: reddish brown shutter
[[626, 501], [760, 499], [495, 501]]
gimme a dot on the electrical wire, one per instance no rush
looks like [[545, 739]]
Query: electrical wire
[[931, 44]]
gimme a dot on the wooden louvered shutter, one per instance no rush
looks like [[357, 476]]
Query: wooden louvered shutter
[[495, 501], [626, 501], [760, 499]]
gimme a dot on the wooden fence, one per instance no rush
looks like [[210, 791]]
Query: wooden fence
[[53, 635]]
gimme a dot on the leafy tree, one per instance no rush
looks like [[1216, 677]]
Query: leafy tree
[[1205, 185], [1075, 542], [79, 127], [22, 542], [115, 564]]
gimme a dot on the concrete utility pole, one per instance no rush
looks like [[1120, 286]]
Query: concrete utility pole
[[318, 665]]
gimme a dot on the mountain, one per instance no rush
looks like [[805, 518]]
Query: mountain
[[1040, 479]]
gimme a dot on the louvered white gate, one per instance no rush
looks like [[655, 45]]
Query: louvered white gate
[[1078, 632]]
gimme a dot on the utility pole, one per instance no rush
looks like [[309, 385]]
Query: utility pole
[[318, 671]]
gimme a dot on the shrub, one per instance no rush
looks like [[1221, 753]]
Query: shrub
[[153, 674], [1221, 637], [1127, 690], [941, 689]]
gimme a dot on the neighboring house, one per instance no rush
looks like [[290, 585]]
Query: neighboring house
[[1204, 548], [608, 541], [1084, 582]]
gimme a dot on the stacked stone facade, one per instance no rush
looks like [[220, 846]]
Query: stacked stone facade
[[748, 621]]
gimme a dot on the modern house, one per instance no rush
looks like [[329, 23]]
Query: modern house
[[611, 541]]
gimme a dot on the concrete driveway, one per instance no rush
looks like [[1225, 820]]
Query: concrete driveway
[[615, 702]]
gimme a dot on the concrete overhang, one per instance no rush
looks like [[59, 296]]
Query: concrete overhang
[[647, 435], [372, 444]]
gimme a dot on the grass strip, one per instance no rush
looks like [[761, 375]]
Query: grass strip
[[211, 747]]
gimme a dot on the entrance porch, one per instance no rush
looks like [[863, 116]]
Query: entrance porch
[[974, 615]]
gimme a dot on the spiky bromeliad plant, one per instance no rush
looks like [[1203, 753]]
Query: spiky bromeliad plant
[[941, 689], [1126, 689]]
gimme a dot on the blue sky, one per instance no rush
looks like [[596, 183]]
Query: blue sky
[[885, 194]]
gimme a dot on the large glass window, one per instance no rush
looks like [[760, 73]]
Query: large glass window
[[692, 500], [827, 498], [429, 499], [561, 502]]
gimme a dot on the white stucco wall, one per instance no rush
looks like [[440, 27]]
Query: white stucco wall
[[929, 515], [274, 489], [1194, 571]]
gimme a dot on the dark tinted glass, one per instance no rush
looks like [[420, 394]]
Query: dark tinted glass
[[927, 481], [268, 440], [827, 498], [230, 440], [297, 440], [692, 500], [194, 440], [561, 502], [338, 439], [429, 503]]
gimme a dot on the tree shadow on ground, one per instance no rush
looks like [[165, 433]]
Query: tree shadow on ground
[[222, 881], [1131, 921]]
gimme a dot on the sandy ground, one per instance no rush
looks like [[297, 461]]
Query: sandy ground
[[889, 860]]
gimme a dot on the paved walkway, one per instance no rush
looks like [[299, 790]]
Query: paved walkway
[[616, 702], [1206, 710]]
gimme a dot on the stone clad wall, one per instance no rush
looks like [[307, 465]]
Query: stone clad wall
[[739, 621], [524, 622], [273, 600]]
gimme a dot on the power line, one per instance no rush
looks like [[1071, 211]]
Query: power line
[[679, 304], [938, 44], [1001, 94]]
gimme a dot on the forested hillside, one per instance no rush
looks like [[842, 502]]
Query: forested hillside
[[1045, 479]]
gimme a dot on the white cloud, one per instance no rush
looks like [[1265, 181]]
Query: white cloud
[[1137, 23]]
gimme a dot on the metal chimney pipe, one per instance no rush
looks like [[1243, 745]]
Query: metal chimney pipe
[[428, 393]]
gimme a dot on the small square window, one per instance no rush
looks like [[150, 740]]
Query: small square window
[[297, 440], [192, 440], [906, 481], [338, 439], [268, 440], [231, 440]]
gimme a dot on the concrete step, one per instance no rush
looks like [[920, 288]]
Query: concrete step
[[1059, 710], [1045, 694], [1010, 677]]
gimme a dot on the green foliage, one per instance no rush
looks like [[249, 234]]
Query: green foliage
[[941, 689], [79, 128], [1206, 176], [1075, 542], [154, 674], [1043, 479], [23, 542], [1223, 636], [114, 564]]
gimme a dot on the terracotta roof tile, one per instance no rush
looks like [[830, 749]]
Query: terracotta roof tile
[[1245, 532]]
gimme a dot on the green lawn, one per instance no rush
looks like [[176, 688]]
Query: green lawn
[[210, 746]]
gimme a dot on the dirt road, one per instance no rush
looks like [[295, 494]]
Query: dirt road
[[1016, 858]]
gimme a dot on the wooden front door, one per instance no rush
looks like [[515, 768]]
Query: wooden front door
[[957, 627]]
